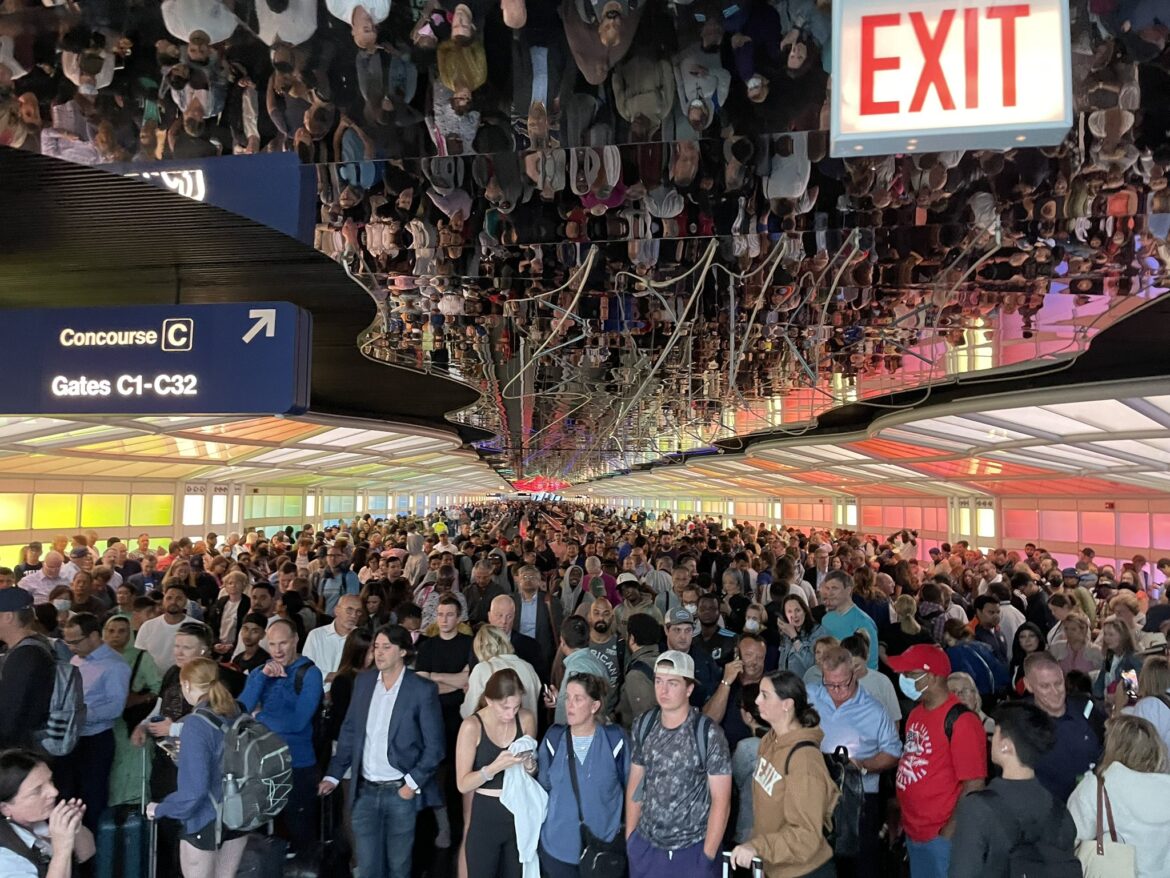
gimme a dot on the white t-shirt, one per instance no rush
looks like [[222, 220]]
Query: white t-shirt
[[344, 9], [293, 26], [157, 637], [181, 17]]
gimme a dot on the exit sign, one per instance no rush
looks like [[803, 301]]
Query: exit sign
[[925, 75]]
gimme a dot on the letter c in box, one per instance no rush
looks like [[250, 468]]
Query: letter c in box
[[938, 75], [178, 334]]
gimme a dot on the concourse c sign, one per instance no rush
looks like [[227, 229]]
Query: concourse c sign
[[934, 75], [238, 359]]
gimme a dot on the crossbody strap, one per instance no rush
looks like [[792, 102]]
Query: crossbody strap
[[134, 670], [571, 755]]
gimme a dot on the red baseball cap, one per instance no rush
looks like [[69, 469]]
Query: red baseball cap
[[921, 657]]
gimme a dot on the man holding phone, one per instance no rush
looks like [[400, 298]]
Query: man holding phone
[[1080, 726]]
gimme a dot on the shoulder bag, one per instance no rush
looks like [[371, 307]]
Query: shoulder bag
[[1105, 856], [599, 858]]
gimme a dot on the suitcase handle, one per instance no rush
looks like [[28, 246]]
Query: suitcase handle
[[729, 868]]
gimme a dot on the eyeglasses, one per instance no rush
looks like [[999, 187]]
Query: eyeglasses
[[69, 642], [840, 687]]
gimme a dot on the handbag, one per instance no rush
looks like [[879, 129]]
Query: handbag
[[1105, 857], [133, 714], [599, 858]]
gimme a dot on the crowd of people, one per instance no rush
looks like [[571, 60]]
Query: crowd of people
[[553, 176], [560, 690]]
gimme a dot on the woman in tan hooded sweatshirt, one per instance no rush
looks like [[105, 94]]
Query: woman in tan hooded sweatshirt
[[792, 794]]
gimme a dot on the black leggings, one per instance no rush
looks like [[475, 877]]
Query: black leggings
[[491, 840]]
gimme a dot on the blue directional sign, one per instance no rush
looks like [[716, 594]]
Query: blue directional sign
[[250, 358]]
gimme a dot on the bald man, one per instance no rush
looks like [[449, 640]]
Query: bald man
[[502, 615], [40, 584]]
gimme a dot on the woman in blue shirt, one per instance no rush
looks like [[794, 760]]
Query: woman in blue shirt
[[201, 853], [602, 767]]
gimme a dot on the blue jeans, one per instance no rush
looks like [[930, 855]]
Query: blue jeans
[[929, 859], [383, 831]]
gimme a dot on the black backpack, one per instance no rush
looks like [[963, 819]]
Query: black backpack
[[845, 836], [1034, 856]]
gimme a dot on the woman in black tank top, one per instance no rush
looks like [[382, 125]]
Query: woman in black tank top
[[481, 758]]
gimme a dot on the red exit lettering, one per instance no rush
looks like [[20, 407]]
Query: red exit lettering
[[931, 44]]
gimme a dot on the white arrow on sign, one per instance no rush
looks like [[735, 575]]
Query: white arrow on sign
[[265, 320]]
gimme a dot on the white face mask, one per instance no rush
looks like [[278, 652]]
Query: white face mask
[[909, 687], [62, 605], [691, 608], [751, 626]]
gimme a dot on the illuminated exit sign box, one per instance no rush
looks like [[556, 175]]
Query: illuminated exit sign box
[[916, 75]]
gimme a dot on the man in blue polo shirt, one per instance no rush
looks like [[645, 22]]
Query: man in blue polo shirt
[[842, 616], [854, 719], [1080, 727]]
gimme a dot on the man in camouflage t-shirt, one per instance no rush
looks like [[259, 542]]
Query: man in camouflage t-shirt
[[679, 794]]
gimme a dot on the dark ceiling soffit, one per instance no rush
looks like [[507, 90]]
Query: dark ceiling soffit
[[75, 235]]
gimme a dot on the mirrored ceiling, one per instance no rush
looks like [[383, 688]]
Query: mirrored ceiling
[[617, 219]]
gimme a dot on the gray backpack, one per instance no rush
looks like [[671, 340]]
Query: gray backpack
[[257, 771], [66, 717]]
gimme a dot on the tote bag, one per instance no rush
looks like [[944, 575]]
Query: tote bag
[[1105, 856]]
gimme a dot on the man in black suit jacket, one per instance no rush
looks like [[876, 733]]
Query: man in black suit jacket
[[392, 737], [816, 572]]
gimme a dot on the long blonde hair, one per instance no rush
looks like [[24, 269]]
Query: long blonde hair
[[202, 675], [1135, 743]]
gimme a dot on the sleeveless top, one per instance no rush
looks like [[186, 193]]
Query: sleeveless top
[[486, 752]]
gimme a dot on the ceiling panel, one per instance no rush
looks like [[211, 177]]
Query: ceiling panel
[[995, 460]]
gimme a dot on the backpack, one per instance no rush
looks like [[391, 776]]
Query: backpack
[[66, 717], [640, 667], [952, 717], [256, 770], [646, 721], [845, 836], [1035, 857]]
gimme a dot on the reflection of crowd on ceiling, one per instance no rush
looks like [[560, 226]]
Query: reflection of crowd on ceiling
[[559, 173]]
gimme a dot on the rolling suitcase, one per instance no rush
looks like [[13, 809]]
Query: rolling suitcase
[[126, 840], [729, 870]]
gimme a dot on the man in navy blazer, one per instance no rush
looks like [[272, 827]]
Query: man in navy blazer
[[392, 738]]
